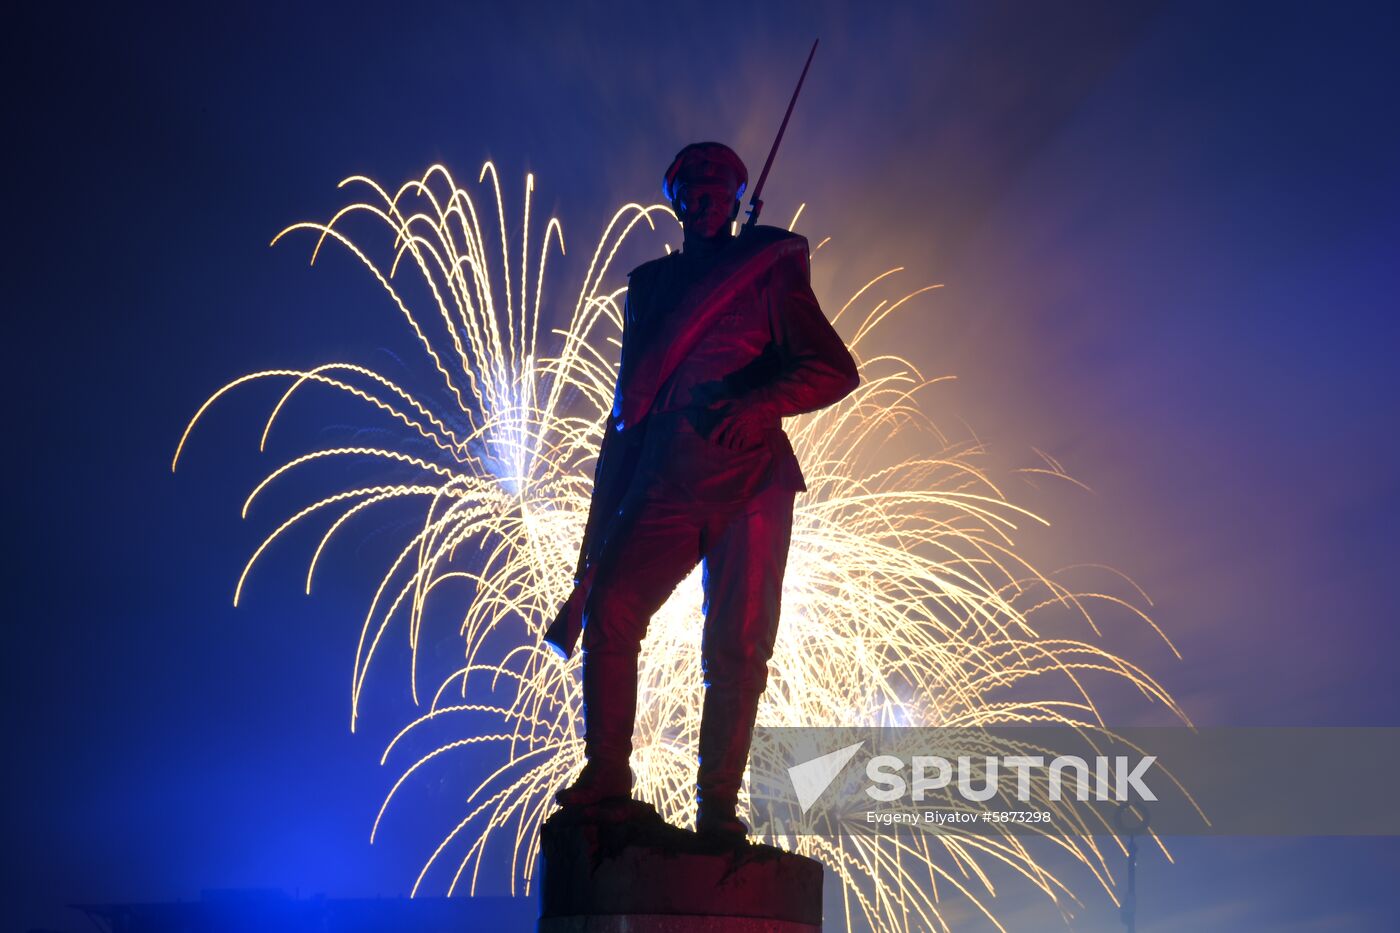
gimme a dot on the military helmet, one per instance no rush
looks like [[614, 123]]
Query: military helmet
[[700, 153]]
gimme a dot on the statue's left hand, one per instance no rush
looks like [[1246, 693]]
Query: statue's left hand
[[738, 426]]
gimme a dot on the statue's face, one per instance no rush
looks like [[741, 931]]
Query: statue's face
[[707, 198]]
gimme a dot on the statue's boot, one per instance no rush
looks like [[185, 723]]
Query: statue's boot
[[609, 709], [726, 730]]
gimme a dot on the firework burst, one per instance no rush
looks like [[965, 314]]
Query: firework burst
[[904, 599]]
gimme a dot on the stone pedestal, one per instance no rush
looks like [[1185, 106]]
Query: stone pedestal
[[622, 869]]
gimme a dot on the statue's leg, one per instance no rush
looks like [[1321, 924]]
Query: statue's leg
[[654, 543], [744, 559]]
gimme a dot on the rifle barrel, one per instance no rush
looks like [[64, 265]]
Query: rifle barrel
[[755, 204]]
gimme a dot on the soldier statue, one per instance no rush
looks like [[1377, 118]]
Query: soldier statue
[[721, 340]]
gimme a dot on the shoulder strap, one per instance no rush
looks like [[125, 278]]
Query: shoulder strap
[[669, 342]]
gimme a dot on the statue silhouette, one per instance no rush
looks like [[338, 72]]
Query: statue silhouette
[[721, 341]]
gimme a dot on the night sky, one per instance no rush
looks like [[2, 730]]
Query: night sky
[[1167, 235]]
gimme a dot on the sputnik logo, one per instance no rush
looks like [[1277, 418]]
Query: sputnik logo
[[811, 778]]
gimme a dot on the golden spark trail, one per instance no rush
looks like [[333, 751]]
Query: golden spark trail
[[905, 600]]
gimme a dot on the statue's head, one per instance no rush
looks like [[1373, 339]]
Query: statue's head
[[703, 184]]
